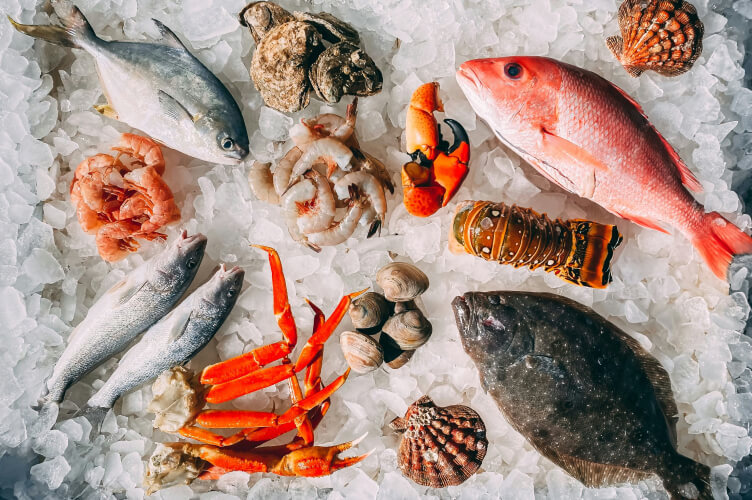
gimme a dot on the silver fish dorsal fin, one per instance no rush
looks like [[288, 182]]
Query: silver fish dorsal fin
[[168, 37]]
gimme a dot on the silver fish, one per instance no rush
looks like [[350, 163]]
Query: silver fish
[[176, 338], [125, 310], [161, 89]]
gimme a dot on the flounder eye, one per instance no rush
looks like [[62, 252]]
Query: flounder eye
[[513, 70], [227, 143]]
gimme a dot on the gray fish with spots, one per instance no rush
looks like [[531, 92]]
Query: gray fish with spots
[[585, 394], [125, 310], [159, 88], [176, 338]]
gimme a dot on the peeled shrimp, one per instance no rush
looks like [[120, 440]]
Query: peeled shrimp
[[145, 151], [333, 152], [317, 213], [366, 162], [283, 171], [115, 240], [153, 199], [261, 181], [325, 125], [298, 194], [342, 230], [369, 187]]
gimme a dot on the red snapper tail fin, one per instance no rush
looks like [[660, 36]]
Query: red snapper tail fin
[[718, 240]]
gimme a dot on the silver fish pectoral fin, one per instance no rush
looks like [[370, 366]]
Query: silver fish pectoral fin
[[172, 108]]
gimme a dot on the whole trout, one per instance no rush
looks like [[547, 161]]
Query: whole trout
[[581, 391], [125, 310]]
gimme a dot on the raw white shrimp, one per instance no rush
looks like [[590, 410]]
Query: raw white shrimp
[[363, 161], [368, 186], [284, 170], [330, 150], [325, 125], [317, 213], [342, 230], [299, 193], [261, 181]]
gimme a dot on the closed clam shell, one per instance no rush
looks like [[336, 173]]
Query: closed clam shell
[[394, 356], [660, 35], [409, 329], [362, 353], [440, 446], [369, 312], [401, 281]]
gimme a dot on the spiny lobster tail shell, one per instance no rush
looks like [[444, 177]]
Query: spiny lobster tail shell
[[441, 446], [660, 35], [578, 251]]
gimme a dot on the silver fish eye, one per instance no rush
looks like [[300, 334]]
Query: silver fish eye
[[190, 264], [227, 144], [231, 293]]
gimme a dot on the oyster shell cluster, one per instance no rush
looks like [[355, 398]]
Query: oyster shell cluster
[[440, 446], [660, 35], [291, 58], [395, 314]]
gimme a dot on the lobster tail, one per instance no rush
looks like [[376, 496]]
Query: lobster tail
[[577, 251]]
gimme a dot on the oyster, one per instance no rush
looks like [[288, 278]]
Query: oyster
[[660, 35], [342, 69], [262, 17], [332, 29], [441, 446], [280, 62]]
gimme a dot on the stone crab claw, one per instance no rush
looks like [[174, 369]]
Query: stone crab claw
[[437, 170]]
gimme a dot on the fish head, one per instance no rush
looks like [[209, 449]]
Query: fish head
[[226, 137], [507, 91], [221, 292], [179, 262], [491, 326]]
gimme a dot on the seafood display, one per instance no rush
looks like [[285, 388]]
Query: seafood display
[[291, 59], [619, 160], [161, 89], [664, 36], [176, 338], [120, 202], [241, 375], [437, 169], [578, 251], [325, 170], [440, 446], [395, 314], [128, 308], [556, 368]]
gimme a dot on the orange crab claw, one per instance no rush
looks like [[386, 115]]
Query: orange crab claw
[[281, 303], [246, 384], [238, 366], [450, 169], [420, 128], [423, 201], [317, 340], [315, 461]]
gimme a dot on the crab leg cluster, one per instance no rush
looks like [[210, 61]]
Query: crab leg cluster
[[249, 372]]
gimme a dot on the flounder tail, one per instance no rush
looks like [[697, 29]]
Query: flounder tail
[[75, 30], [593, 245], [688, 479], [718, 240]]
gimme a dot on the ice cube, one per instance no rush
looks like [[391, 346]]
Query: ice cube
[[274, 125], [51, 444], [394, 486], [370, 126], [42, 267], [54, 216], [51, 472], [12, 307]]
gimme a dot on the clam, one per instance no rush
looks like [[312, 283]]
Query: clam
[[401, 281], [440, 446], [660, 35], [361, 352], [369, 312], [394, 356], [405, 306], [409, 329]]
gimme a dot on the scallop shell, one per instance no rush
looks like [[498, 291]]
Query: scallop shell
[[401, 281], [441, 446], [409, 329], [369, 312], [660, 35], [394, 356], [362, 353]]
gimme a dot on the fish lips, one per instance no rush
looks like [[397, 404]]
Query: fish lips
[[236, 156], [463, 312], [188, 244]]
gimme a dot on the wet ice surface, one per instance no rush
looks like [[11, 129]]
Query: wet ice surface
[[662, 293]]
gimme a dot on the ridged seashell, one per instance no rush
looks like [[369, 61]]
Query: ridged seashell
[[362, 353], [369, 312], [441, 446], [400, 307], [409, 329], [401, 281], [394, 356], [660, 35]]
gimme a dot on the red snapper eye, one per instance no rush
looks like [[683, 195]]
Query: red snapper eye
[[513, 71]]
